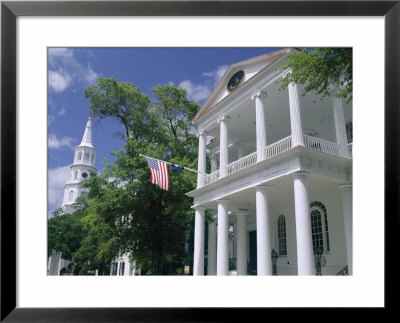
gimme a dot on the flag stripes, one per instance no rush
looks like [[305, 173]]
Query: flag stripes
[[159, 173]]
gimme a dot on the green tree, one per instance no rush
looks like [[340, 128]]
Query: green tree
[[64, 233], [326, 71], [121, 101], [125, 213]]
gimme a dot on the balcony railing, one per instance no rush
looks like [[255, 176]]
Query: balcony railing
[[243, 162], [322, 145], [278, 147], [209, 178], [350, 149]]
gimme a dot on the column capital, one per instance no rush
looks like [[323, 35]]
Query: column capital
[[202, 132], [241, 213], [262, 187], [259, 94], [199, 208], [300, 174], [287, 72], [223, 118], [224, 202], [345, 186]]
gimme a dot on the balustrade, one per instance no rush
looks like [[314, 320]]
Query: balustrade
[[350, 148], [321, 145], [243, 162], [278, 148]]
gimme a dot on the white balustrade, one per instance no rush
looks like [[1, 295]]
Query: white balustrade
[[243, 162], [350, 149], [275, 149], [321, 145], [278, 147], [209, 178]]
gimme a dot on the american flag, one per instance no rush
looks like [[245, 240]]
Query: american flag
[[159, 173]]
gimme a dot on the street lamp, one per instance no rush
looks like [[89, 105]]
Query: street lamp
[[317, 255], [274, 258]]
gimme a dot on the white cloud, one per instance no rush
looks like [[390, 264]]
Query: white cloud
[[195, 92], [58, 114], [59, 80], [216, 75], [55, 143], [90, 75], [65, 69], [200, 91], [57, 52], [57, 178]]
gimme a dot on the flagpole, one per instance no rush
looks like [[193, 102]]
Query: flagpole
[[187, 168]]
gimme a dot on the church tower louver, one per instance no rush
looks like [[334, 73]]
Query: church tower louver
[[84, 161]]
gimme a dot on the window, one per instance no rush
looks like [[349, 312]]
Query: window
[[319, 226], [114, 269], [282, 236], [86, 157], [349, 131], [121, 268], [71, 196], [76, 174], [80, 156]]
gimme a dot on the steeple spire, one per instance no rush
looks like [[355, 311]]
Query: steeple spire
[[87, 136]]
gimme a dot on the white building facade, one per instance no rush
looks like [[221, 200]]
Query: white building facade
[[280, 174]]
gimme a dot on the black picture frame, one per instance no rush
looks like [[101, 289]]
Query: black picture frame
[[10, 10]]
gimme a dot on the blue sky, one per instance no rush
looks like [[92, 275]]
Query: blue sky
[[70, 70]]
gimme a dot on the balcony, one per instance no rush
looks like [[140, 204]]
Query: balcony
[[279, 147]]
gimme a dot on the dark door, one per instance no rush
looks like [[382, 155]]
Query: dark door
[[253, 253]]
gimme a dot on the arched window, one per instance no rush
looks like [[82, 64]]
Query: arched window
[[86, 157], [71, 196], [282, 236], [80, 156], [76, 174], [319, 226]]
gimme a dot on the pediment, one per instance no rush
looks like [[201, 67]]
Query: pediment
[[250, 68]]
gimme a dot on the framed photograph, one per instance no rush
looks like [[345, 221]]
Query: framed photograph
[[30, 28]]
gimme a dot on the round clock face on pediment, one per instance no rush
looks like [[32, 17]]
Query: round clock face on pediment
[[84, 175], [235, 81]]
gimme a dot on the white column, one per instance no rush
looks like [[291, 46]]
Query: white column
[[59, 265], [295, 115], [212, 248], [223, 148], [261, 131], [198, 257], [264, 264], [201, 167], [241, 243], [118, 265], [222, 244], [347, 201], [340, 126], [305, 257]]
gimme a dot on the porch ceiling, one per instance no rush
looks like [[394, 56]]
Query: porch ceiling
[[242, 125]]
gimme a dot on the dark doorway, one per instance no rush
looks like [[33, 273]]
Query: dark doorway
[[252, 270]]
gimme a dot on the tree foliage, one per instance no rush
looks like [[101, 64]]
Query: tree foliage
[[121, 101], [326, 71], [123, 213]]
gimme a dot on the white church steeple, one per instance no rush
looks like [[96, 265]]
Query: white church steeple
[[87, 135], [84, 163]]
